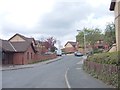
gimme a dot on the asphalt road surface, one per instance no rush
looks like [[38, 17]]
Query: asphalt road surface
[[51, 75]]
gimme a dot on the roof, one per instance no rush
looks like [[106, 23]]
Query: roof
[[18, 35], [37, 42], [18, 46], [72, 43], [23, 37], [112, 5], [7, 46], [46, 44]]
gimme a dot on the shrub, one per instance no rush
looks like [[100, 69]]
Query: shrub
[[97, 51], [104, 66], [105, 58]]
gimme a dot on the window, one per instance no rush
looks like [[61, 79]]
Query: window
[[101, 47], [3, 55], [31, 55], [27, 55]]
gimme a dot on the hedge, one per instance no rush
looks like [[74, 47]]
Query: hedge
[[105, 58], [105, 67]]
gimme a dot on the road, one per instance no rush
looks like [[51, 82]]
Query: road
[[51, 75]]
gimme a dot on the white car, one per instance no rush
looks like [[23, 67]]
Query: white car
[[59, 53], [78, 54]]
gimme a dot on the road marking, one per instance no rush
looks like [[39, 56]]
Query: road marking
[[78, 68], [66, 79], [81, 62]]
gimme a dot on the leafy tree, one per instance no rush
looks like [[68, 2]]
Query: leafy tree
[[110, 33], [51, 41], [92, 35]]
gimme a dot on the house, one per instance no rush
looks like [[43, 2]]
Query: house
[[115, 6], [18, 50], [100, 44], [41, 46], [70, 47]]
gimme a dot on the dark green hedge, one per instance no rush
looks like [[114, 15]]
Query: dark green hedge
[[105, 58]]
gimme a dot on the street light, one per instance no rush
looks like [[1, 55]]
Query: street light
[[84, 40]]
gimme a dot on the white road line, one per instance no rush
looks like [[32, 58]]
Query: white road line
[[81, 62], [66, 79], [78, 68]]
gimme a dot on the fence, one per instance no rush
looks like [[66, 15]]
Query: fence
[[105, 72]]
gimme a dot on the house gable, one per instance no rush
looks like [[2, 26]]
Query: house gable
[[68, 45], [16, 38], [22, 43]]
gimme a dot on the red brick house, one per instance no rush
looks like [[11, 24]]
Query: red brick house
[[70, 47], [101, 45], [23, 50], [18, 50]]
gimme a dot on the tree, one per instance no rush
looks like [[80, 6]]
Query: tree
[[92, 35], [51, 41], [110, 33]]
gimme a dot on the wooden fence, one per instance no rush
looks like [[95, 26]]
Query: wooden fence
[[105, 72]]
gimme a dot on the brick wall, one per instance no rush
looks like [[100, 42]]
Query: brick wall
[[27, 57], [70, 50], [18, 58], [44, 57]]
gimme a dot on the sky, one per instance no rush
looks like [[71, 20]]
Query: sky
[[57, 18]]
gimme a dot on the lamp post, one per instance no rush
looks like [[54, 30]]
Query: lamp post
[[84, 40]]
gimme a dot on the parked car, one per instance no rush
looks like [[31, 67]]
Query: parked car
[[78, 53], [59, 52], [63, 53], [48, 53]]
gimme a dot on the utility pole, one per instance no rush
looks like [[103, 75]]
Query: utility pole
[[84, 40]]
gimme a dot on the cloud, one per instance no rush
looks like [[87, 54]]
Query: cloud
[[67, 15], [61, 18], [22, 15]]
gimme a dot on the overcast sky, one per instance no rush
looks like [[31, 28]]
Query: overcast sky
[[57, 18]]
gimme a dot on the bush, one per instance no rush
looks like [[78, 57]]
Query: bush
[[104, 66], [97, 51], [105, 58]]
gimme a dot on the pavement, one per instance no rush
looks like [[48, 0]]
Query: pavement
[[16, 67], [76, 77]]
